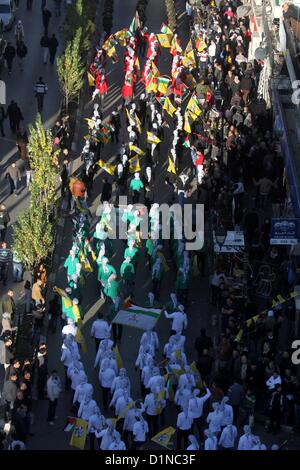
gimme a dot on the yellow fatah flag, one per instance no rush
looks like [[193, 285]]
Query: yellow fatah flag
[[163, 437], [176, 46], [249, 322], [79, 434], [91, 123], [123, 412], [86, 265], [165, 40], [163, 84], [239, 335], [130, 118], [121, 37], [197, 375], [110, 169], [171, 166], [189, 60], [91, 79], [79, 338], [137, 66], [152, 138], [193, 106], [155, 70], [188, 119], [201, 45], [189, 48], [118, 357], [138, 123], [134, 164], [111, 51], [255, 318], [281, 300], [166, 30], [169, 107], [151, 85], [134, 148]]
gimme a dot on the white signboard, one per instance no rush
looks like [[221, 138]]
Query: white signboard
[[234, 243]]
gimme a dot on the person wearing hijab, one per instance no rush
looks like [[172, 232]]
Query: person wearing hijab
[[215, 418], [96, 424], [193, 443], [184, 427], [106, 378], [108, 435]]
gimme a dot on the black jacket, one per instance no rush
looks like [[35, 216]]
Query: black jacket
[[9, 392]]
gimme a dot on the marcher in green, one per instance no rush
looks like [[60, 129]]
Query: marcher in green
[[136, 185], [71, 264], [104, 272], [112, 288], [131, 251]]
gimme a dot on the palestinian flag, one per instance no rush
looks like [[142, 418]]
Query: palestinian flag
[[166, 30], [138, 317], [187, 143]]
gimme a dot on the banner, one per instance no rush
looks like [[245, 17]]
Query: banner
[[163, 437], [138, 317], [79, 434]]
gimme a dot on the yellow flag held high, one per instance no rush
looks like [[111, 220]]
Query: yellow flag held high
[[249, 322], [171, 166], [169, 107], [188, 119], [134, 164], [197, 375], [165, 40], [281, 300], [163, 84], [110, 169], [138, 123], [239, 335], [189, 60], [255, 318], [79, 434], [112, 51], [193, 106], [134, 148], [151, 86], [152, 138], [163, 437], [86, 265], [189, 48], [121, 37], [91, 79], [155, 70], [79, 338], [91, 123], [118, 357], [137, 66]]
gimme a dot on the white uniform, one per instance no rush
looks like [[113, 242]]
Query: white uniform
[[182, 397], [121, 404], [130, 420], [196, 404], [228, 437], [245, 442], [210, 443], [184, 421], [106, 377], [70, 329], [214, 419], [100, 329], [179, 322], [140, 429], [150, 337], [82, 390], [187, 380], [86, 409]]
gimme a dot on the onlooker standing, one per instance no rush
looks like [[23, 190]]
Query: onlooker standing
[[4, 221], [5, 260], [15, 116], [40, 89], [37, 295], [8, 303], [54, 389], [13, 174], [9, 55], [52, 45], [45, 45], [18, 268], [6, 355], [19, 32], [46, 18], [9, 394], [21, 53]]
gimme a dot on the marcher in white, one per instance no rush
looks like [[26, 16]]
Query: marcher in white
[[70, 328], [122, 402], [140, 431], [156, 380], [274, 380], [54, 389], [74, 373], [193, 443], [215, 418], [96, 424], [246, 440], [257, 444], [117, 444], [110, 357], [83, 389], [106, 378], [100, 330], [150, 337], [187, 379], [87, 407], [179, 318], [196, 404], [211, 442], [228, 437], [108, 435], [104, 346], [227, 411], [121, 380], [182, 396], [184, 426]]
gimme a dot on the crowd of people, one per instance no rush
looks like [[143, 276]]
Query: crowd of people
[[221, 154]]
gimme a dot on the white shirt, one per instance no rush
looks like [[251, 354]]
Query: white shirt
[[66, 357], [112, 364], [101, 354], [81, 391], [210, 443], [122, 403], [182, 397], [151, 337], [215, 419], [196, 404], [96, 423], [69, 330], [106, 377], [107, 438], [245, 442], [212, 50], [228, 437], [142, 359], [150, 404], [117, 446], [179, 320], [187, 380], [156, 381], [118, 382], [86, 409], [140, 429], [75, 377], [129, 420], [100, 329], [227, 415], [184, 421], [146, 374], [117, 393]]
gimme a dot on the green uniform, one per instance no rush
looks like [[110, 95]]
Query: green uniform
[[111, 289], [70, 265], [136, 185], [127, 271], [103, 276], [131, 253]]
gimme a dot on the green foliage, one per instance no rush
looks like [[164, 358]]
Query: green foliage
[[33, 239], [44, 171], [70, 69], [81, 14], [33, 233]]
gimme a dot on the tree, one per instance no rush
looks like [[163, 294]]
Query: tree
[[81, 15], [71, 70], [33, 237], [44, 171]]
